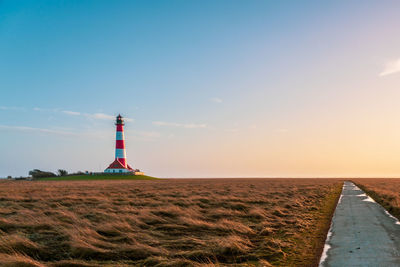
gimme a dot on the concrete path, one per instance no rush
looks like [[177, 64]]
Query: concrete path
[[362, 233]]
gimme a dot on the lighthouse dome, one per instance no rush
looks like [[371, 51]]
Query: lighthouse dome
[[120, 119]]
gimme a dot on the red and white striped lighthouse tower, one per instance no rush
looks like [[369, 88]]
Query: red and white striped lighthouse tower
[[120, 165], [120, 153]]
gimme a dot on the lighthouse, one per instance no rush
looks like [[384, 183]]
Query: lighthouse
[[119, 165]]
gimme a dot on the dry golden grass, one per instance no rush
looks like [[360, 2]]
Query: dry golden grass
[[385, 191], [176, 222]]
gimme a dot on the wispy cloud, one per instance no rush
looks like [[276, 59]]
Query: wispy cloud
[[100, 116], [145, 134], [73, 113], [92, 133], [11, 108], [391, 67], [38, 130], [163, 123], [46, 109], [96, 116], [216, 100], [180, 125]]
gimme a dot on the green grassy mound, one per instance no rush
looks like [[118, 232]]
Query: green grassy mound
[[98, 177]]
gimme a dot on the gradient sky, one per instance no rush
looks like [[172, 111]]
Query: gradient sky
[[210, 88]]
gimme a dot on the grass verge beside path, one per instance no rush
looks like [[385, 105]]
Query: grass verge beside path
[[310, 244], [97, 177]]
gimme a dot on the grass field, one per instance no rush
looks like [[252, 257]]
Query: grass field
[[171, 222], [97, 177], [384, 191]]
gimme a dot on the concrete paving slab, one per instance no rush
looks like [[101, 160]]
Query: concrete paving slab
[[362, 233]]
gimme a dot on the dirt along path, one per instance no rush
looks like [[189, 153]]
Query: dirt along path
[[362, 233]]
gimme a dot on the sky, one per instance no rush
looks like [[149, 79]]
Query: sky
[[215, 88]]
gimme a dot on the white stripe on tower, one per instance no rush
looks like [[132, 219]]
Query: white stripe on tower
[[120, 153], [120, 136]]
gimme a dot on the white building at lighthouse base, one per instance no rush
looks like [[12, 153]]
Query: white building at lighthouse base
[[118, 167]]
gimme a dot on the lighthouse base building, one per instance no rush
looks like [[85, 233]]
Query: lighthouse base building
[[119, 165]]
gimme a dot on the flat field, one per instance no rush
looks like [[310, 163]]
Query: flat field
[[172, 222], [97, 177], [385, 191]]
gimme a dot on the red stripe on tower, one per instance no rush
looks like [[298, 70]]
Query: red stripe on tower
[[120, 144]]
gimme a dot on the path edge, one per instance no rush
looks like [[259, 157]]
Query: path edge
[[378, 200], [327, 231]]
